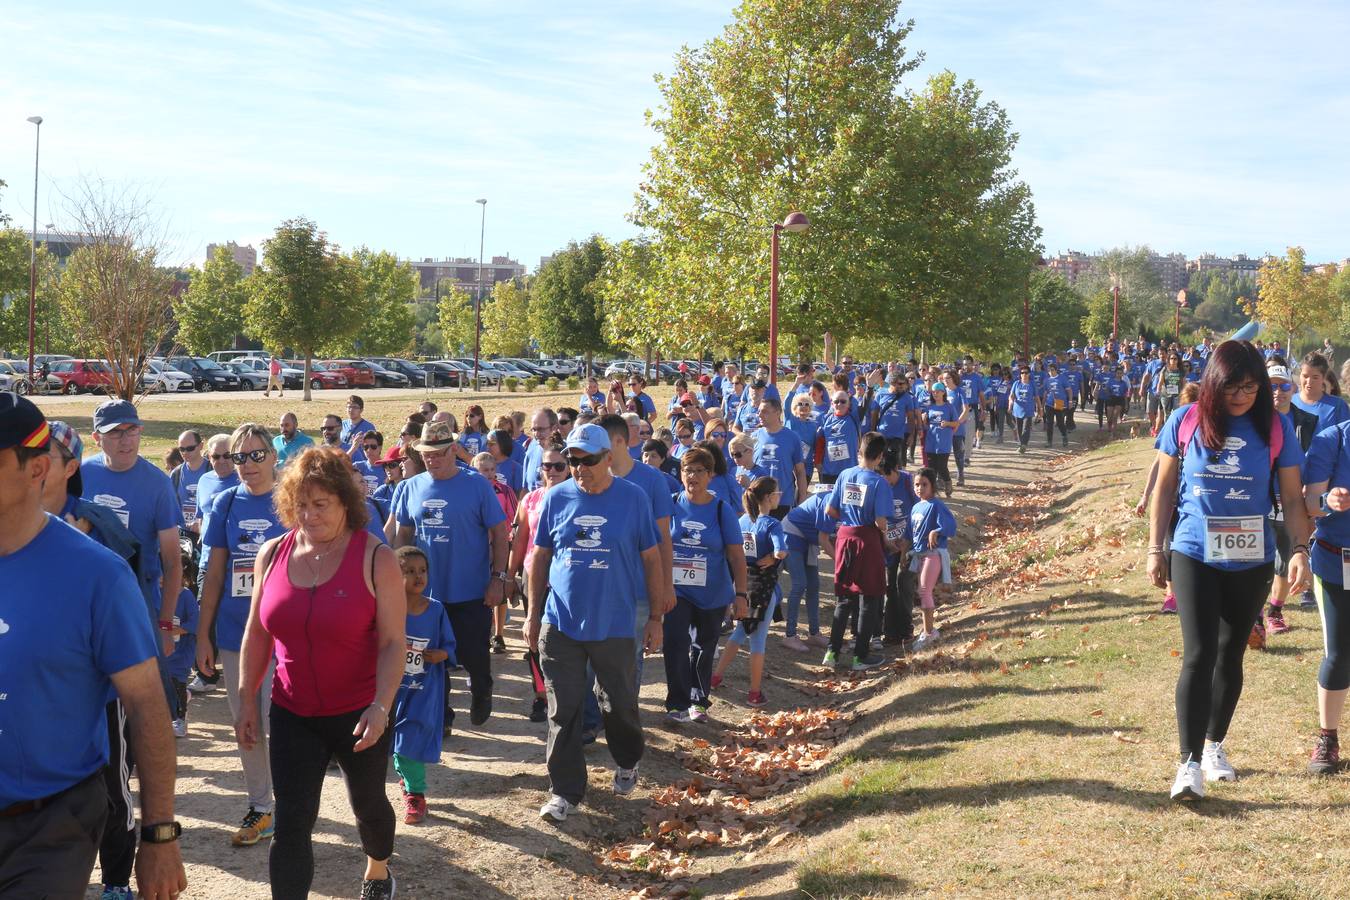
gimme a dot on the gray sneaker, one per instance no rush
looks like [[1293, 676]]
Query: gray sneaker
[[625, 780], [557, 808]]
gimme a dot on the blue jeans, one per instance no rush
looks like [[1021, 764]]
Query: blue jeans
[[804, 578], [760, 638]]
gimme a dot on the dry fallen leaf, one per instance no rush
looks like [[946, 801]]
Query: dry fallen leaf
[[1124, 738]]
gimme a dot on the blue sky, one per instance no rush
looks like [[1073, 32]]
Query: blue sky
[[1191, 127]]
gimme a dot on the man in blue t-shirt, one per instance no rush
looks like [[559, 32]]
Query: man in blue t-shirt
[[353, 426], [454, 517], [779, 451], [542, 425], [290, 442], [65, 650], [596, 549]]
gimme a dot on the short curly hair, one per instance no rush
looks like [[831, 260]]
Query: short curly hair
[[325, 470]]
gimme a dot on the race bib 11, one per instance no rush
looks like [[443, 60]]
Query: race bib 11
[[241, 577]]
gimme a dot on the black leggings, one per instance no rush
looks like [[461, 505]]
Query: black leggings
[[1023, 424], [1217, 609], [938, 462], [1333, 603], [300, 748], [1056, 418], [117, 850], [868, 612]]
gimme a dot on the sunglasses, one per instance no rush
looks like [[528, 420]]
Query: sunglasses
[[685, 435], [644, 432], [217, 457], [840, 402], [564, 422], [553, 466], [593, 459], [256, 455], [737, 454], [328, 428], [188, 449], [391, 465], [1283, 387], [718, 435], [369, 447]]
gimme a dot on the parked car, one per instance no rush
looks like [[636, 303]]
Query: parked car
[[206, 373], [486, 374], [357, 372], [506, 369], [622, 368], [80, 376], [413, 374], [160, 378], [556, 368], [249, 379], [525, 365], [445, 373], [321, 376], [224, 356]]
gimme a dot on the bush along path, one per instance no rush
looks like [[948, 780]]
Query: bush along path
[[739, 806]]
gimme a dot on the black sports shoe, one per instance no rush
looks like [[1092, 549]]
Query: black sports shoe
[[539, 712], [382, 889], [480, 710], [1326, 756], [498, 644]]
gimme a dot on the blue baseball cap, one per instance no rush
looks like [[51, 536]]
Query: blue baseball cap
[[589, 439], [111, 413]]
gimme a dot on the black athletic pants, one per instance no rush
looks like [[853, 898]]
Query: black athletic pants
[[471, 622], [897, 621], [1217, 609], [938, 462], [867, 610], [117, 849], [300, 748], [1056, 418]]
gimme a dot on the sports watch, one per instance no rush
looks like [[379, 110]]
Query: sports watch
[[162, 833]]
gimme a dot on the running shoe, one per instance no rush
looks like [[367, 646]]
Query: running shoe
[[1326, 756], [414, 809], [557, 808], [480, 710], [961, 479], [756, 699], [625, 780], [863, 663], [698, 713], [878, 645], [818, 640], [1257, 639], [831, 660], [1275, 623], [925, 640], [198, 686], [539, 711], [792, 642], [255, 827], [715, 683], [180, 728], [498, 644], [677, 716], [1214, 763], [1169, 604], [378, 888], [1307, 601], [1189, 783], [117, 893], [1022, 448]]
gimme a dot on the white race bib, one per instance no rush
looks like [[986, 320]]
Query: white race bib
[[690, 571], [1235, 539], [748, 544], [241, 577], [412, 664], [854, 494], [895, 532], [836, 452], [190, 512]]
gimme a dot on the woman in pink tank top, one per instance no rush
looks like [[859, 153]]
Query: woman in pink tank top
[[329, 606]]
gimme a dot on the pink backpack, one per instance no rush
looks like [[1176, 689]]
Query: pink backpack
[[1190, 422]]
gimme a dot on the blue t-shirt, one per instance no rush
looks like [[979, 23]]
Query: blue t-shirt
[[143, 498], [589, 403], [419, 706], [926, 517], [287, 450], [999, 388], [210, 485], [804, 524], [375, 517], [902, 503], [186, 489], [762, 537], [63, 636], [1330, 410], [840, 434], [747, 416], [351, 436], [937, 436], [778, 454], [893, 412], [596, 573], [240, 523], [179, 663], [861, 496], [1150, 374], [1327, 461], [509, 474], [534, 457], [1233, 483], [700, 534], [646, 408], [972, 388], [806, 431], [474, 442], [371, 473], [1023, 395], [451, 518], [727, 487]]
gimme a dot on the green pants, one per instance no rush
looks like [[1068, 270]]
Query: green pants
[[413, 773]]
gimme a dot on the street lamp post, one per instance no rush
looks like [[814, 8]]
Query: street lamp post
[[32, 256], [795, 222], [1115, 313], [478, 295]]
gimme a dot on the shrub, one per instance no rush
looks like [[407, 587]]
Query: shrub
[[530, 383], [511, 383], [552, 384], [573, 382]]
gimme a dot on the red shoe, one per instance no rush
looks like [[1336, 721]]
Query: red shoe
[[414, 809], [1169, 604], [1275, 623], [715, 683]]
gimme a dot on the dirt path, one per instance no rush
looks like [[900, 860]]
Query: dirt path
[[484, 838]]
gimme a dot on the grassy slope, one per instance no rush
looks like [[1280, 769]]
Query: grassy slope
[[1050, 777]]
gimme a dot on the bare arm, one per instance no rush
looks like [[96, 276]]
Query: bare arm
[[212, 584], [666, 552], [660, 582], [799, 473], [255, 654], [391, 611], [520, 544], [736, 563], [538, 588], [500, 550], [403, 536], [171, 559], [1160, 515]]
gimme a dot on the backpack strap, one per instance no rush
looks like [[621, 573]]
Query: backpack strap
[[1190, 421]]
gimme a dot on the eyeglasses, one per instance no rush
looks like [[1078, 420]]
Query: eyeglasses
[[256, 455], [122, 433], [217, 457], [371, 446], [553, 466], [189, 449], [593, 459], [1249, 389], [696, 471]]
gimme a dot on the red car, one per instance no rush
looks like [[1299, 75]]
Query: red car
[[82, 375], [321, 376], [357, 373]]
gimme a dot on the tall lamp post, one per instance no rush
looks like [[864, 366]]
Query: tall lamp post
[[32, 256], [478, 295], [1115, 313], [795, 222]]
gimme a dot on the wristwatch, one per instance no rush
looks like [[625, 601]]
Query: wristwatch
[[501, 575], [1322, 502], [162, 833]]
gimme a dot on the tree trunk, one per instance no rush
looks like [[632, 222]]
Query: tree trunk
[[309, 358]]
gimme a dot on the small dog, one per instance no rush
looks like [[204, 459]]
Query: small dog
[[1134, 431]]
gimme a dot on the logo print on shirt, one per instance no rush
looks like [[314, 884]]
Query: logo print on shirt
[[433, 512], [588, 531], [4, 626], [1231, 464], [693, 534], [1236, 494]]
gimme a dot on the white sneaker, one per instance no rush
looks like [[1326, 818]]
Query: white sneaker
[[1190, 782], [197, 686], [624, 781], [1214, 763], [677, 716], [795, 643], [557, 809], [925, 640], [180, 728]]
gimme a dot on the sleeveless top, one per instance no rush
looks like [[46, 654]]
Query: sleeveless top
[[326, 640]]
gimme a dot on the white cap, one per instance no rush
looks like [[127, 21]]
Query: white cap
[[1278, 373]]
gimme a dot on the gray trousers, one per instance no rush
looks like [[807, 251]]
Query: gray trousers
[[257, 765], [563, 661], [50, 852]]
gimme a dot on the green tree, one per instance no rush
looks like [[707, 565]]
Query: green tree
[[506, 320], [1291, 300], [15, 248], [210, 313], [566, 310], [429, 341], [1142, 298], [1099, 319], [389, 291], [454, 314], [305, 294], [1214, 297], [1056, 313]]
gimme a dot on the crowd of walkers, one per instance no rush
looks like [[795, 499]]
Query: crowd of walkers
[[334, 585]]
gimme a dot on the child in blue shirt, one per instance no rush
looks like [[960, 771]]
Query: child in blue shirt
[[419, 707], [184, 654], [932, 525]]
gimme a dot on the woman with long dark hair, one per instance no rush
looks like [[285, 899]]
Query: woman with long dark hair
[[1216, 461]]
